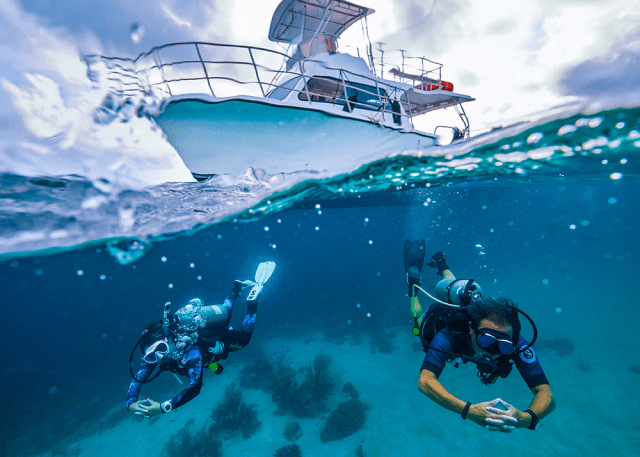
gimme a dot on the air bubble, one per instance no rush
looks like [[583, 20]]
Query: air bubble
[[170, 286], [534, 138], [79, 272], [163, 259], [616, 176], [612, 201], [103, 277], [558, 310], [136, 32], [545, 281]]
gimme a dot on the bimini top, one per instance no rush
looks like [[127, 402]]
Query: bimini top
[[296, 21]]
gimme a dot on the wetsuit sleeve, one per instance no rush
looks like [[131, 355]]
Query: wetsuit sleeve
[[193, 367], [143, 374], [435, 361], [529, 366]]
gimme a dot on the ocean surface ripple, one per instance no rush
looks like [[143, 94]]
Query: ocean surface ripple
[[48, 214]]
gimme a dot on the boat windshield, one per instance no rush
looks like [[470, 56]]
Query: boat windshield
[[332, 90]]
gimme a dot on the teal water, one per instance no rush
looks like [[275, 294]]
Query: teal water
[[545, 213]]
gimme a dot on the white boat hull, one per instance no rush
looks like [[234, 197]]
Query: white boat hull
[[227, 137]]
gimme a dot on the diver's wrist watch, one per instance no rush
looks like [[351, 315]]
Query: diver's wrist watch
[[534, 419], [166, 406]]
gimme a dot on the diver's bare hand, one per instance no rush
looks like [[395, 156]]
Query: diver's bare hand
[[494, 419], [508, 417], [146, 408]]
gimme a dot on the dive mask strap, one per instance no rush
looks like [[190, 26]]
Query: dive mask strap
[[165, 318]]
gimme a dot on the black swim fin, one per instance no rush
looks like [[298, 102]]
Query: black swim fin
[[414, 258]]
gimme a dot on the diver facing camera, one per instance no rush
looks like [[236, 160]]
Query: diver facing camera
[[464, 326]]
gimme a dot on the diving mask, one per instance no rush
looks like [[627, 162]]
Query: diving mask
[[157, 352], [494, 342]]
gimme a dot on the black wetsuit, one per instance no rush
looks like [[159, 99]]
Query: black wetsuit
[[526, 362]]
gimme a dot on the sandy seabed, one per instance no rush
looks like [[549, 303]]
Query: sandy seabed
[[596, 413]]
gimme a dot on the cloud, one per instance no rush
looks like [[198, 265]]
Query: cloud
[[174, 18], [41, 107], [49, 102], [164, 21], [616, 72]]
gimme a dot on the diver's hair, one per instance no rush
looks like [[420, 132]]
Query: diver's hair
[[151, 334], [500, 310]]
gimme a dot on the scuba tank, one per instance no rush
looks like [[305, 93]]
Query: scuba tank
[[196, 315], [458, 291]]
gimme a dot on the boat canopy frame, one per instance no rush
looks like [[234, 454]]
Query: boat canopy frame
[[296, 21]]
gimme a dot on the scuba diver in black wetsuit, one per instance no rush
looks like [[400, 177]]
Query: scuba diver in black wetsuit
[[191, 339], [463, 326]]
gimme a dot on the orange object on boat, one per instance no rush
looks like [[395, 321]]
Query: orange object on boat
[[444, 85]]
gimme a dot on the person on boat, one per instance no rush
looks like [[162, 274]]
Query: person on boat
[[188, 341], [463, 326]]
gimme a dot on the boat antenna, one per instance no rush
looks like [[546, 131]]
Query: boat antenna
[[365, 34], [381, 59]]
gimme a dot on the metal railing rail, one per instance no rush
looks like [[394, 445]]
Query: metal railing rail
[[133, 80]]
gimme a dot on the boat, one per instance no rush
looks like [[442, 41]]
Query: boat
[[310, 108]]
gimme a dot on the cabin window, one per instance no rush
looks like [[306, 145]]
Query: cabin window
[[331, 90]]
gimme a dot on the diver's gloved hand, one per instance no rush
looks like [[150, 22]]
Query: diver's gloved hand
[[413, 261], [239, 285], [438, 260]]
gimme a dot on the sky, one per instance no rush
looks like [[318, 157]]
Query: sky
[[517, 58]]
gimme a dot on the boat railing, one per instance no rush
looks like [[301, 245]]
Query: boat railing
[[417, 71], [227, 70]]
